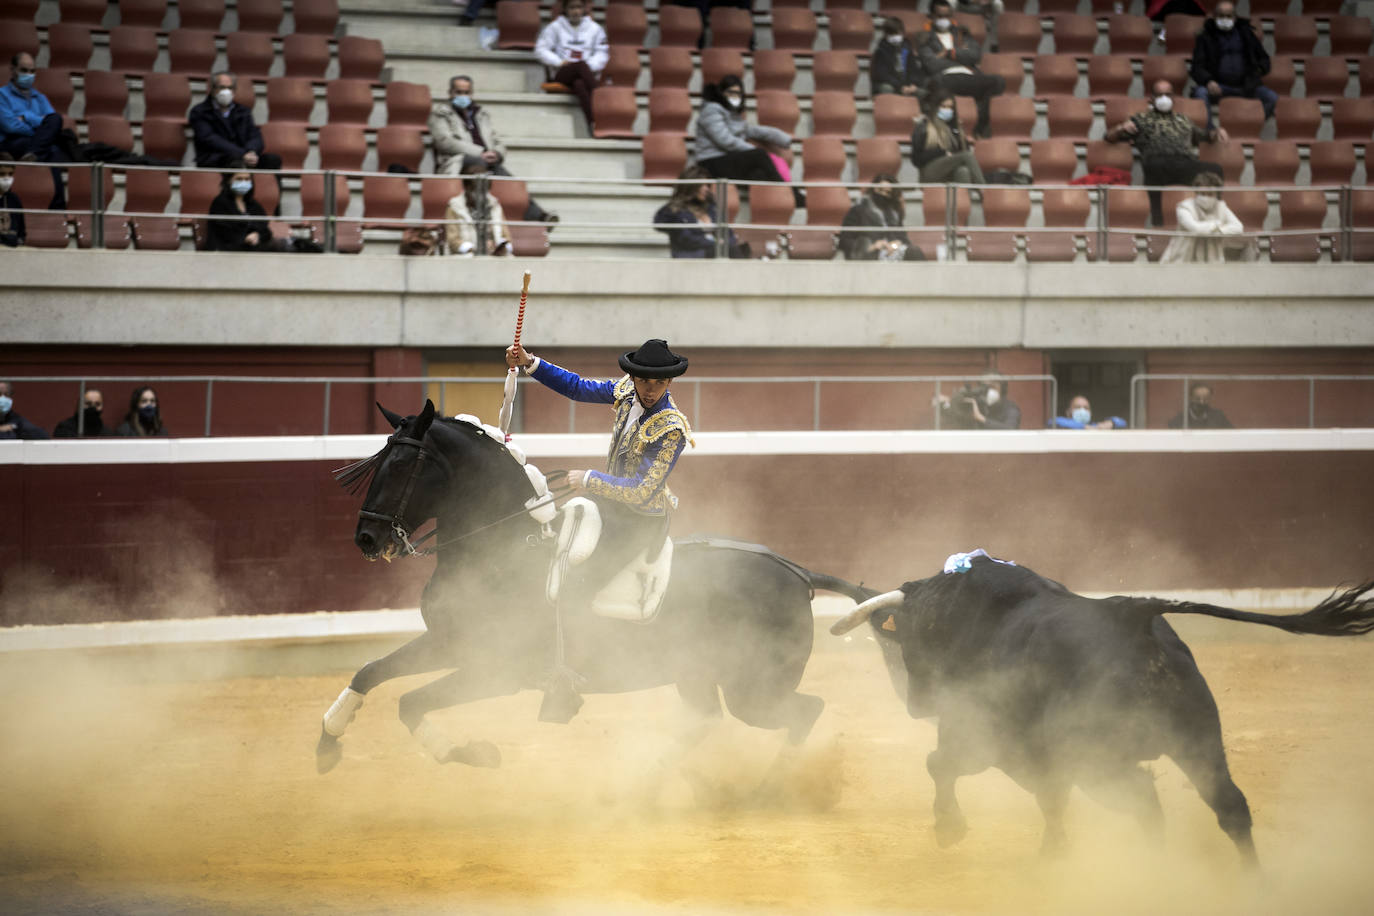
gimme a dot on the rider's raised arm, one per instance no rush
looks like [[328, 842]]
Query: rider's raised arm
[[570, 384]]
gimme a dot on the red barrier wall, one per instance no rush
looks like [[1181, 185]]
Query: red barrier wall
[[87, 542]]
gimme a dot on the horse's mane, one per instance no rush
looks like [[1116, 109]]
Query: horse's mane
[[358, 475]]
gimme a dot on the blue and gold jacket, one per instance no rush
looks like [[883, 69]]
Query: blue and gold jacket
[[640, 457]]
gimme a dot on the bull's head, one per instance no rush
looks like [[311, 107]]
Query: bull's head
[[890, 618]]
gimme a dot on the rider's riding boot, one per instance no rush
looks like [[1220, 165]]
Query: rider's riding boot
[[561, 702]]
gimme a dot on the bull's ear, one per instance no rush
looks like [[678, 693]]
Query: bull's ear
[[394, 419], [424, 420]]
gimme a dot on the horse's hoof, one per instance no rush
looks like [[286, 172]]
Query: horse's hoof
[[950, 830], [328, 752], [476, 754]]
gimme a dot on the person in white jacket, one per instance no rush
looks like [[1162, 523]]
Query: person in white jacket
[[1211, 226], [574, 50]]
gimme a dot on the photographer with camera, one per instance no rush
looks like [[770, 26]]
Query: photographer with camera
[[980, 404]]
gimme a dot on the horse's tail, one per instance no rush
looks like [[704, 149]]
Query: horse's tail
[[835, 584], [1344, 613]]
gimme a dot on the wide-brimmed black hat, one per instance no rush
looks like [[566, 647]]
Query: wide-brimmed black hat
[[653, 360]]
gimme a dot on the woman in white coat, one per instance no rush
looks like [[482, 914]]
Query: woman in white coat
[[1211, 226]]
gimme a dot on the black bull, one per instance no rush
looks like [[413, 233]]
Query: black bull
[[736, 619], [1058, 690]]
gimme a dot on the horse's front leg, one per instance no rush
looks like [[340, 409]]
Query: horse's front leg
[[462, 686], [423, 653]]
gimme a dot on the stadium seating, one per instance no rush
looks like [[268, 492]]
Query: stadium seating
[[876, 156], [795, 29], [837, 70], [622, 66], [1067, 116], [200, 14], [833, 114], [778, 108], [614, 111], [400, 144], [133, 49], [670, 110], [678, 26], [305, 55], [774, 70], [670, 67], [1053, 161], [69, 46], [730, 27], [823, 158], [143, 13], [191, 51], [850, 30], [362, 58], [718, 63], [664, 156]]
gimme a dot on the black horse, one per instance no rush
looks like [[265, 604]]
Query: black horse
[[736, 618]]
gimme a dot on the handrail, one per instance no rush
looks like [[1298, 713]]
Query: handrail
[[1310, 379], [329, 381]]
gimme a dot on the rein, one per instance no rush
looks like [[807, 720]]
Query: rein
[[413, 549]]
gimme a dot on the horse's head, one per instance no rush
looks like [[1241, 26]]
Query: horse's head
[[407, 476]]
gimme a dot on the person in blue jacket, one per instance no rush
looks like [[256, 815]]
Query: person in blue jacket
[[689, 216], [29, 125], [1080, 416]]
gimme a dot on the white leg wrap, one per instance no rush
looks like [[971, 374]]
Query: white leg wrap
[[433, 740], [342, 712]]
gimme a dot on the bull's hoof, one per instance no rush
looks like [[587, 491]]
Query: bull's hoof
[[328, 752], [476, 754], [950, 829]]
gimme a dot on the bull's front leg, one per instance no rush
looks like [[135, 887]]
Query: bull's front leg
[[946, 764]]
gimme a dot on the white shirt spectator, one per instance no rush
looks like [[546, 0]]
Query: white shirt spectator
[[560, 40]]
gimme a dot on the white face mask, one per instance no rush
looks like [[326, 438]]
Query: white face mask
[[225, 97], [241, 187], [1206, 203], [942, 25], [895, 39], [945, 114], [1164, 104], [1226, 24], [735, 102], [6, 183], [993, 396]]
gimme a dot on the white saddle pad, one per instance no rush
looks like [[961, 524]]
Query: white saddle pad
[[634, 593]]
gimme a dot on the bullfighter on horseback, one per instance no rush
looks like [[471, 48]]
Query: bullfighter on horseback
[[647, 438]]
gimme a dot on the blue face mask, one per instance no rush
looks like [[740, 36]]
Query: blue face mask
[[241, 187], [6, 402], [24, 80], [462, 101], [945, 114], [1082, 415]]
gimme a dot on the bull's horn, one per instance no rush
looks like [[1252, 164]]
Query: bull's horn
[[866, 610]]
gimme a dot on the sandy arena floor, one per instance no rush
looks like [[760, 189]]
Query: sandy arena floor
[[202, 797]]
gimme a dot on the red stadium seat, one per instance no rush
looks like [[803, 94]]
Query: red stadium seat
[[876, 156], [435, 193], [825, 207], [83, 12], [778, 108], [1180, 33], [731, 27], [1068, 116], [1276, 162], [837, 70], [622, 66], [626, 24], [669, 110], [1109, 74], [1298, 119], [795, 29], [1171, 67], [773, 70], [288, 141], [518, 22], [671, 67], [678, 26], [1053, 161], [56, 86], [850, 30], [1294, 35], [166, 95], [1131, 35], [386, 198], [832, 114], [1008, 66], [133, 49], [69, 46], [1350, 35], [342, 146], [200, 14], [315, 17], [823, 158], [664, 155], [1102, 154], [106, 93], [361, 58], [408, 104], [1299, 210], [998, 154], [1074, 34], [290, 98], [305, 55], [110, 129], [165, 138], [718, 63], [1352, 119], [1230, 156], [1054, 74], [250, 54], [1242, 118], [614, 110], [191, 51], [1331, 161], [259, 15], [349, 101], [1325, 77], [894, 115], [1282, 74], [17, 37], [33, 184], [1018, 33], [400, 144], [149, 13], [1011, 116]]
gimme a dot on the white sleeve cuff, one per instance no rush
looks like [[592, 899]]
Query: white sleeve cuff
[[586, 478], [529, 370]]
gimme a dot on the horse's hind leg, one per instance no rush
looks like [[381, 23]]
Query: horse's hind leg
[[423, 653], [462, 686]]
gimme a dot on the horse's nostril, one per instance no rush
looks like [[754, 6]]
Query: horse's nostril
[[364, 541]]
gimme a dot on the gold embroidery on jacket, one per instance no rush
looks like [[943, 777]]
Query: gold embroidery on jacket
[[650, 495]]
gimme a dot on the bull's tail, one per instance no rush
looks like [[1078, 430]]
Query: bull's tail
[[1344, 613]]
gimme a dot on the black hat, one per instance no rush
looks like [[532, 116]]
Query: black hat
[[653, 360]]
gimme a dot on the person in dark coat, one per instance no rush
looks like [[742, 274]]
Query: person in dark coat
[[895, 67], [1228, 60], [1201, 414], [12, 425], [88, 421], [981, 404], [950, 55], [688, 215], [880, 213], [236, 199], [12, 230], [224, 130], [144, 418]]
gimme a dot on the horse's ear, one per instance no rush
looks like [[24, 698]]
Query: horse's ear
[[424, 420], [393, 418]]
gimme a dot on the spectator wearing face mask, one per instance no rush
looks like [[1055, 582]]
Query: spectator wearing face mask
[[12, 425], [1080, 416], [236, 200], [143, 418], [463, 133], [725, 141], [473, 221], [29, 125], [12, 231], [1166, 142], [1228, 60], [939, 148], [950, 55], [689, 216], [1212, 228], [88, 421], [981, 404], [574, 50], [1200, 413], [895, 67], [225, 132], [874, 224]]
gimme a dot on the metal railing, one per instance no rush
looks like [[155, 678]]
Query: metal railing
[[1137, 402], [891, 388], [1099, 226]]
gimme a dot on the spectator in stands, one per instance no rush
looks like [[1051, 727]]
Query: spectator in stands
[[725, 141], [143, 418], [88, 421], [463, 133], [981, 404], [880, 213], [1213, 229], [224, 130], [895, 67], [575, 51], [12, 231], [1166, 141], [1200, 413], [1080, 416], [1159, 10], [419, 241], [13, 426], [236, 199], [1228, 59], [939, 148], [689, 215], [950, 55], [473, 221], [29, 125]]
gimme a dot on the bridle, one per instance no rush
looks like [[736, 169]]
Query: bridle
[[397, 517]]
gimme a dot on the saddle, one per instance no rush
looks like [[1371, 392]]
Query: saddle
[[634, 593]]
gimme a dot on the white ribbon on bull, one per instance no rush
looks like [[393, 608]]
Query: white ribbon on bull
[[508, 399], [867, 609]]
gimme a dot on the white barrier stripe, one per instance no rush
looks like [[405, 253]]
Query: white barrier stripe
[[800, 442], [259, 630]]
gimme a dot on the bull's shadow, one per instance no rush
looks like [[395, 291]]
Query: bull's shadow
[[1058, 690]]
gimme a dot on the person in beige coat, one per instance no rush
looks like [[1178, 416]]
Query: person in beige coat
[[474, 223], [462, 133], [1211, 226]]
